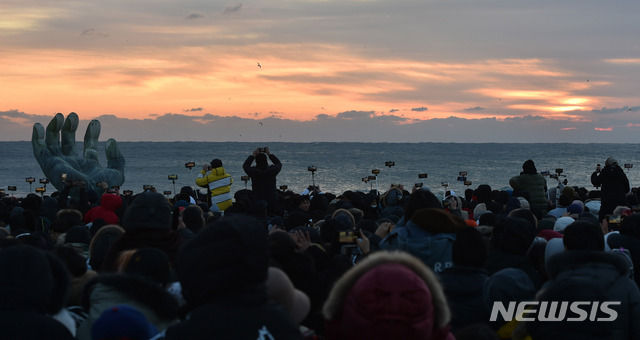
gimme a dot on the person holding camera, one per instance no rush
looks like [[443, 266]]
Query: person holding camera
[[263, 177], [615, 186], [532, 182], [218, 182]]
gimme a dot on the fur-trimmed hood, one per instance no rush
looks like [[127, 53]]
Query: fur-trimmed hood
[[347, 311]]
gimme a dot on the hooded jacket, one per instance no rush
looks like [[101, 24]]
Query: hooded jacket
[[429, 236], [219, 183], [105, 291], [609, 271], [389, 295], [109, 204]]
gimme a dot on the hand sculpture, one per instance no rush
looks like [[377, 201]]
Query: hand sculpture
[[57, 158]]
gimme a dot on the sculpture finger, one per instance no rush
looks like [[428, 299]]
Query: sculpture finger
[[40, 150], [91, 140], [53, 134], [69, 135], [115, 160]]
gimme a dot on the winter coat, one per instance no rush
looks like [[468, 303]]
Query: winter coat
[[615, 186], [632, 244], [535, 185], [240, 315], [219, 183], [609, 271], [429, 236], [109, 204], [389, 295], [263, 180], [463, 287], [33, 286], [105, 291]]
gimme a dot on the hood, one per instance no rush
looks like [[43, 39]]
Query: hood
[[111, 202]]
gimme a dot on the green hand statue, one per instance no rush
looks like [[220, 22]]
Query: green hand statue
[[56, 158]]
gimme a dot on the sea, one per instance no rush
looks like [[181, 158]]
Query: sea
[[341, 166]]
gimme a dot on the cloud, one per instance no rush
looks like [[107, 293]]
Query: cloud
[[93, 32], [194, 109], [355, 114], [420, 109], [606, 110], [604, 129], [193, 16], [232, 9], [569, 128], [474, 109]]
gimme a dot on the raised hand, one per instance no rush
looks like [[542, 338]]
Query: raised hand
[[55, 151]]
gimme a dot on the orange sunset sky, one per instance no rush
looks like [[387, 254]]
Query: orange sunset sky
[[530, 71]]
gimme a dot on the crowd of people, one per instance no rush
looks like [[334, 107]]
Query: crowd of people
[[266, 263]]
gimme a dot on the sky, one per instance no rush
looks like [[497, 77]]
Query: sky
[[306, 71]]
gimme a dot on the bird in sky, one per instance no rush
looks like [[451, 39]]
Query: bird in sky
[[260, 123], [260, 66]]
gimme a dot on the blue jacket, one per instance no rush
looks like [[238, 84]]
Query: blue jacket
[[433, 249]]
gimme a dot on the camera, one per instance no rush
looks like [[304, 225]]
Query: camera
[[30, 179], [422, 175], [462, 173], [559, 171], [167, 192], [462, 178], [44, 180], [173, 177], [284, 187], [419, 185], [365, 179], [628, 166], [312, 168], [375, 171], [41, 189], [467, 182], [127, 192], [444, 184], [263, 150], [12, 188], [545, 173], [389, 164], [244, 178], [372, 178], [189, 165], [147, 187]]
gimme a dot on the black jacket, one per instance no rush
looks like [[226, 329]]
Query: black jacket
[[263, 180], [241, 315], [608, 271], [615, 186]]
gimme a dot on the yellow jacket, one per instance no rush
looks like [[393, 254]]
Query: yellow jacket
[[219, 183]]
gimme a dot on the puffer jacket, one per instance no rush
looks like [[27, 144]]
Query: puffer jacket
[[610, 272], [535, 185], [219, 183]]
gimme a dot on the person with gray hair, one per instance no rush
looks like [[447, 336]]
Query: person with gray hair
[[614, 186]]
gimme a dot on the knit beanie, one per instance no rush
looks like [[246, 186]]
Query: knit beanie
[[122, 322], [148, 210], [562, 223]]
